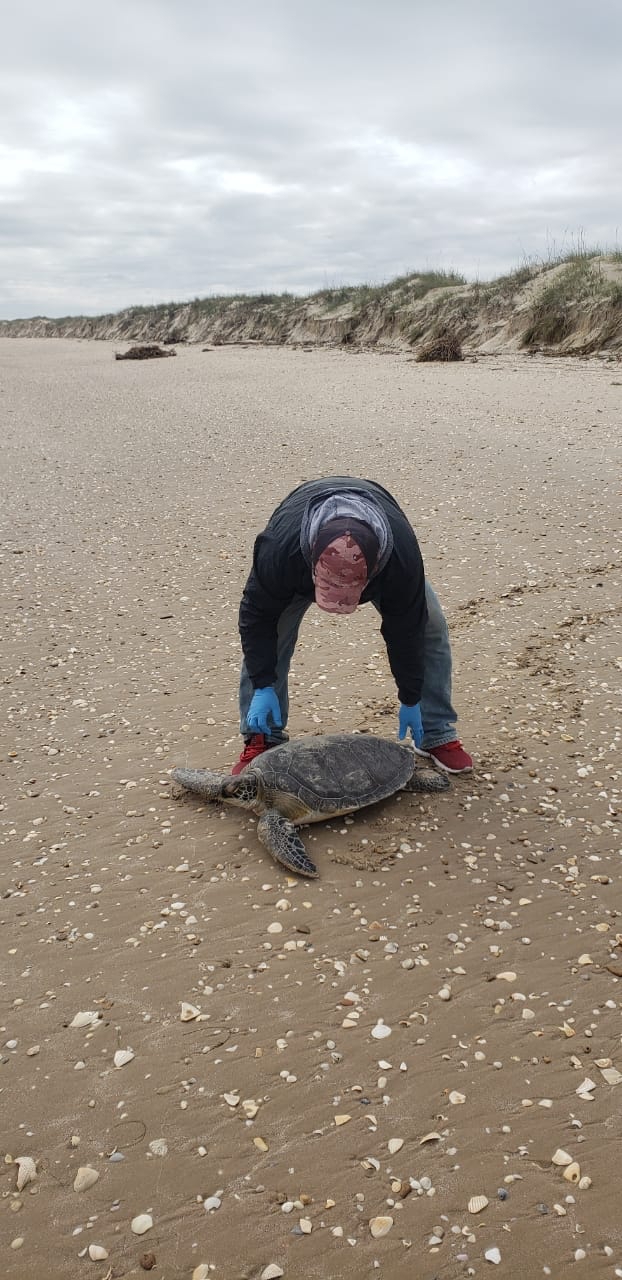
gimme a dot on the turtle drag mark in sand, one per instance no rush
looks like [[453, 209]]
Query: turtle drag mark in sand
[[312, 780]]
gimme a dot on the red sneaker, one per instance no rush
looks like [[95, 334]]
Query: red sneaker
[[254, 747], [450, 756]]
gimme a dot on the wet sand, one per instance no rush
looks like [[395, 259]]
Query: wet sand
[[131, 493]]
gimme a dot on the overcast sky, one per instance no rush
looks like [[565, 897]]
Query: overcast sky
[[160, 149]]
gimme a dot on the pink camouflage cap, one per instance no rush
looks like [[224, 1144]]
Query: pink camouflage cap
[[340, 575]]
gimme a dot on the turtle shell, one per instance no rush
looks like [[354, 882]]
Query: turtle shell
[[333, 773]]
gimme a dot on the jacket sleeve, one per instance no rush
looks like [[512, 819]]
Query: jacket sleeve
[[404, 616], [270, 587]]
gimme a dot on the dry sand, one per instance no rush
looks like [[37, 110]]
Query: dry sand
[[130, 497]]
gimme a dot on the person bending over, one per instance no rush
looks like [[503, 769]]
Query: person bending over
[[341, 543]]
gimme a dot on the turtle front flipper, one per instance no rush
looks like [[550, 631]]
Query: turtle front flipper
[[203, 782], [283, 842], [427, 780]]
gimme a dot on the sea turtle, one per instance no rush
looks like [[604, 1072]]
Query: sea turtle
[[311, 780]]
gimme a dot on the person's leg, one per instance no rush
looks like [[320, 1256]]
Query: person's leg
[[437, 713], [440, 741], [287, 635]]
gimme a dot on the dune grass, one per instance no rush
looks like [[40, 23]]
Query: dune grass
[[553, 311], [552, 298]]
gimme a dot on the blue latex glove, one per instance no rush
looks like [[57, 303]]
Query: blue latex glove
[[410, 718], [264, 707]]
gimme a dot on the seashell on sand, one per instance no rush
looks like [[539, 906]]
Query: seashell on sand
[[477, 1203], [611, 1075], [123, 1056], [584, 1090], [85, 1018], [141, 1223], [26, 1172], [380, 1226], [85, 1178], [189, 1012], [97, 1253], [380, 1031]]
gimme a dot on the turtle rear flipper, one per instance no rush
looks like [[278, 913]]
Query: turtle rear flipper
[[281, 839], [427, 780], [203, 782]]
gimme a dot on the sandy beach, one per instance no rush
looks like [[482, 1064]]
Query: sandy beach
[[261, 1136]]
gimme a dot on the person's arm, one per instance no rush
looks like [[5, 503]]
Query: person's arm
[[404, 616], [268, 591]]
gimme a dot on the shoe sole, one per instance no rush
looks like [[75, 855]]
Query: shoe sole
[[427, 755]]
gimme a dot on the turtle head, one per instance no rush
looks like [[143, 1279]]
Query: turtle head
[[244, 789]]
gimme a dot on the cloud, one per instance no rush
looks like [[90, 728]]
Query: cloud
[[151, 151]]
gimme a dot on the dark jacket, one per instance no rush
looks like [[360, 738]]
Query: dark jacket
[[281, 571]]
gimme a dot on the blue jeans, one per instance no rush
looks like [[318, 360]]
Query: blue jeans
[[437, 713]]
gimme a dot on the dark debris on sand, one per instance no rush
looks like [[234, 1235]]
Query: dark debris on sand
[[149, 352], [444, 347]]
